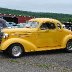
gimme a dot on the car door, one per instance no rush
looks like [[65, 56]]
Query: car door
[[46, 35]]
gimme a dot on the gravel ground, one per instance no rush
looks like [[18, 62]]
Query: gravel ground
[[47, 61]]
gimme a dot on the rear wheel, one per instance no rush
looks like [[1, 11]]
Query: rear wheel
[[15, 50], [69, 46]]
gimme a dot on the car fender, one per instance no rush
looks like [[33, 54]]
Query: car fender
[[28, 46], [65, 40]]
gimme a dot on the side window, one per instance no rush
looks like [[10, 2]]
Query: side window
[[43, 26], [51, 26], [48, 26], [59, 26]]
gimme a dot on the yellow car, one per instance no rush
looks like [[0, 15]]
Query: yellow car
[[38, 34]]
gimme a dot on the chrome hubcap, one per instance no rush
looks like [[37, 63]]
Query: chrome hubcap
[[16, 51]]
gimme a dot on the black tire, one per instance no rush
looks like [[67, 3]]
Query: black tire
[[15, 50], [69, 46]]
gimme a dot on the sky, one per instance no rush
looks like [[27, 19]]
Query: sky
[[54, 6]]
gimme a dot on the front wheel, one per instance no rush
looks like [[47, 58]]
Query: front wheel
[[15, 50], [69, 46]]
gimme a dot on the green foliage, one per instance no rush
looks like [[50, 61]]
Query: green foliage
[[70, 20], [59, 16]]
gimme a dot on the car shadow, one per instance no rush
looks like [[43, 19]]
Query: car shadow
[[50, 52], [60, 51], [1, 54]]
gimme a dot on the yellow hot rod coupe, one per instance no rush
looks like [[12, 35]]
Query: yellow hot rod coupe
[[38, 34]]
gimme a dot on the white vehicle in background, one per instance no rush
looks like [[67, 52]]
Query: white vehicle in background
[[11, 24], [14, 25], [21, 25]]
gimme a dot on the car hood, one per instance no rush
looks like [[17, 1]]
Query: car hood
[[19, 30]]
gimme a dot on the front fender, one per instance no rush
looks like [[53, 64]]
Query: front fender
[[65, 40], [28, 46]]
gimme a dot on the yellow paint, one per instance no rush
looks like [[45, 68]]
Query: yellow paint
[[35, 39]]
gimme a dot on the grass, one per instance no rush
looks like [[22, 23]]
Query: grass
[[42, 65], [14, 61]]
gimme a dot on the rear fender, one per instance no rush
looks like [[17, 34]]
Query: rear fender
[[65, 40]]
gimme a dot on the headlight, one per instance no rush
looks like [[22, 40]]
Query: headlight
[[5, 35]]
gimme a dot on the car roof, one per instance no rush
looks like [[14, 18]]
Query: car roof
[[44, 20]]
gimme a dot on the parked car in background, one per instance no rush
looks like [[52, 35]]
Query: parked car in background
[[21, 25], [38, 34], [63, 26], [68, 25], [11, 24], [5, 24]]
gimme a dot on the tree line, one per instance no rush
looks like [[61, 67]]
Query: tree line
[[59, 16]]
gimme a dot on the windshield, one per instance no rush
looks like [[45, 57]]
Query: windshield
[[31, 24]]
